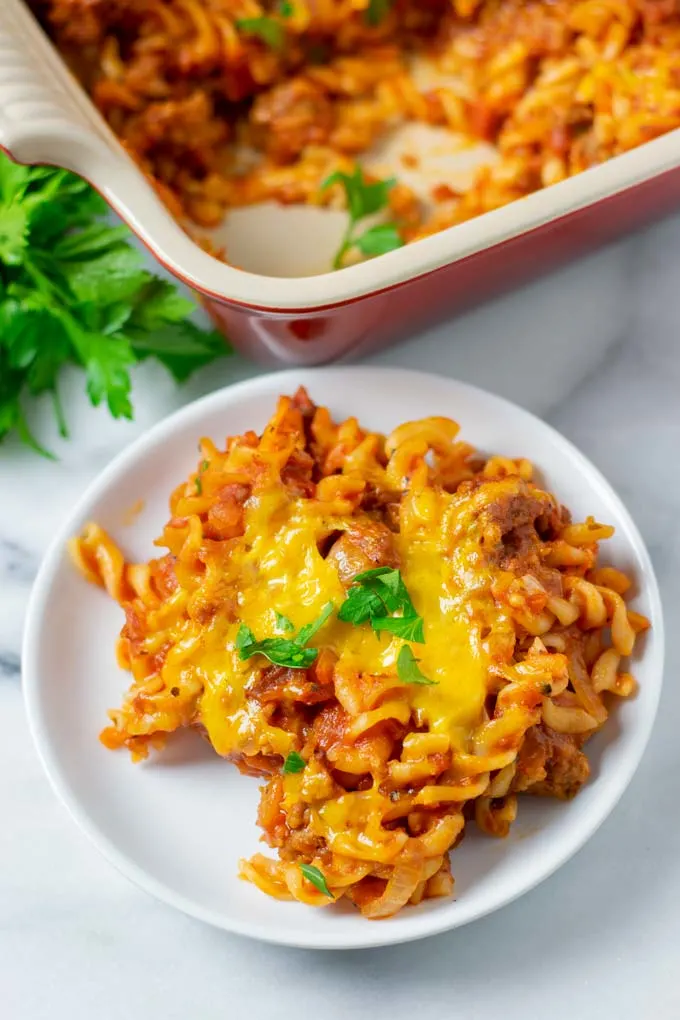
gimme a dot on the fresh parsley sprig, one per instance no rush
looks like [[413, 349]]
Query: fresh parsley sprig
[[375, 596], [408, 670], [73, 291], [293, 763], [364, 198], [290, 652], [270, 31], [283, 623], [316, 877]]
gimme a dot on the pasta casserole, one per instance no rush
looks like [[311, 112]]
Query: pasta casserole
[[396, 634], [225, 103]]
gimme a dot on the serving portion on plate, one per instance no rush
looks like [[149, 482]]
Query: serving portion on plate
[[396, 632]]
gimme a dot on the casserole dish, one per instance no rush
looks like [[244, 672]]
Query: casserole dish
[[279, 315]]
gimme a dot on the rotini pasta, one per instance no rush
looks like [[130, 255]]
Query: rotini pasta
[[392, 632]]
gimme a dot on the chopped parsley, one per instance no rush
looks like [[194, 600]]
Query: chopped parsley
[[286, 9], [316, 877], [289, 652], [377, 10], [408, 669], [310, 629], [267, 29], [364, 198], [410, 628], [283, 623], [294, 763], [375, 596], [198, 481]]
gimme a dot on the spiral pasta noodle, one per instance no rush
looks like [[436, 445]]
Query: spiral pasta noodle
[[378, 738]]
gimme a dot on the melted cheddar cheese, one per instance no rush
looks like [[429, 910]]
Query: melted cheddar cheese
[[277, 568]]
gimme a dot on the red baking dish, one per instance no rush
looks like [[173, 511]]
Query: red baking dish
[[279, 318]]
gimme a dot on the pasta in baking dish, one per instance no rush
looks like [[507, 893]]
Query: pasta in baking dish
[[396, 634]]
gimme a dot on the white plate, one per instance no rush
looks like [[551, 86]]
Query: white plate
[[177, 824]]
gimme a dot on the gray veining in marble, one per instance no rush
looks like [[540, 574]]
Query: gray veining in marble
[[594, 350]]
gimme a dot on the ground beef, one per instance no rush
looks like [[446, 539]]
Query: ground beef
[[365, 545], [551, 764]]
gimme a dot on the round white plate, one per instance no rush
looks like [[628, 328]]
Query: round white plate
[[178, 823]]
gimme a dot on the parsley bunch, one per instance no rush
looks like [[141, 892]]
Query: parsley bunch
[[364, 198], [72, 291]]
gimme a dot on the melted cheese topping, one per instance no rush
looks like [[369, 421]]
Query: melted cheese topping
[[277, 568]]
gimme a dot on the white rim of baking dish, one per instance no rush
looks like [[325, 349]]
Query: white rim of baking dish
[[46, 117]]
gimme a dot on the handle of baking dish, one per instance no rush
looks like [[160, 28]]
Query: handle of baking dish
[[44, 115], [46, 118]]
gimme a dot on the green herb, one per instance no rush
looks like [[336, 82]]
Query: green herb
[[72, 291], [377, 10], [198, 481], [379, 240], [407, 668], [375, 596], [310, 629], [316, 877], [266, 29], [290, 652], [294, 763], [283, 623], [397, 596], [410, 628], [364, 198], [281, 651], [286, 9]]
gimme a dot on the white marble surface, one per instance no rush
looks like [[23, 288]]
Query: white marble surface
[[595, 351]]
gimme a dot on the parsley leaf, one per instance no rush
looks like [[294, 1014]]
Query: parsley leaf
[[410, 628], [377, 10], [280, 651], [317, 879], [408, 670], [266, 29], [364, 198], [310, 629], [286, 9], [283, 623], [377, 593], [294, 763], [106, 362], [290, 652], [361, 604], [379, 240], [74, 291]]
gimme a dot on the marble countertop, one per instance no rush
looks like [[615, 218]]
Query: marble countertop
[[595, 351]]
